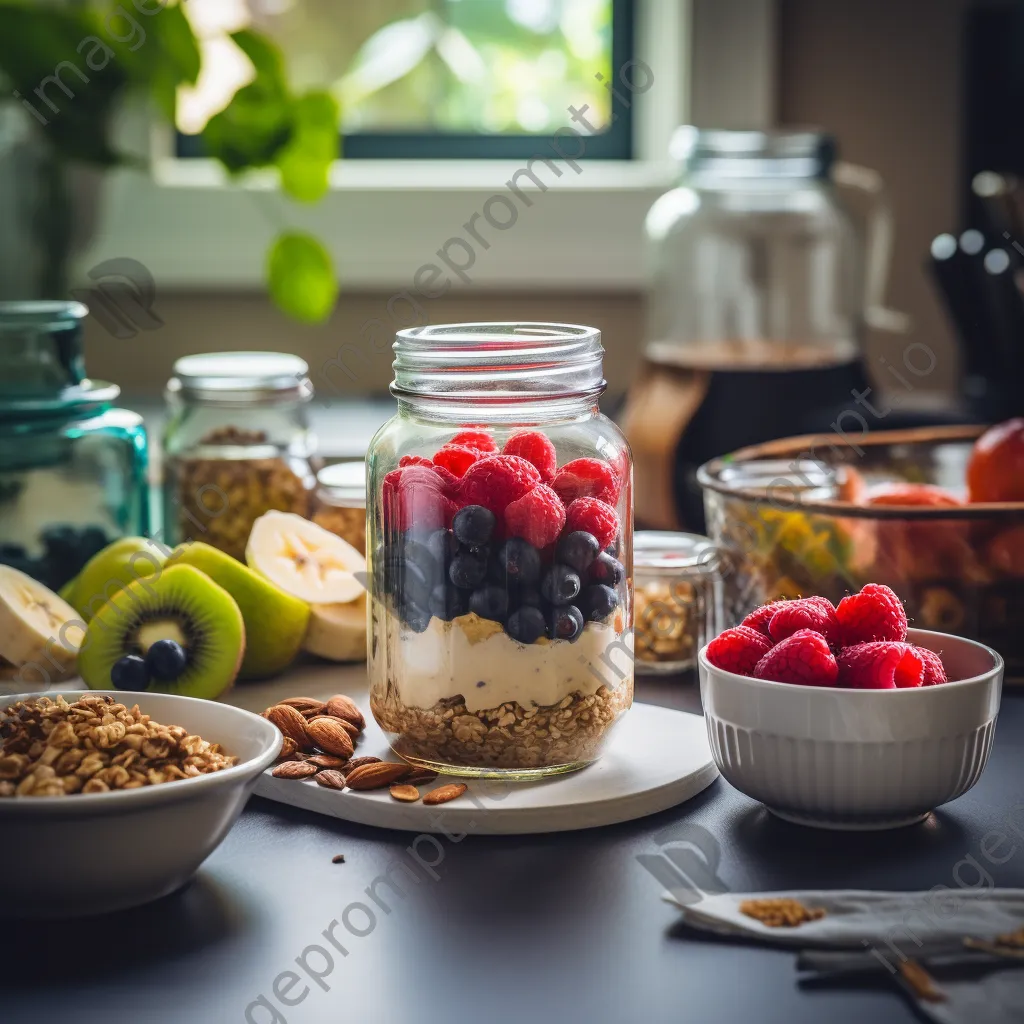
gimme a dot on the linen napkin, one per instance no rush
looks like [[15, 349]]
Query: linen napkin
[[893, 927]]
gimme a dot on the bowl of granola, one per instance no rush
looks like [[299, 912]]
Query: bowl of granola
[[107, 804]]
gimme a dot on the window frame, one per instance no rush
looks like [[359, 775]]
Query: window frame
[[382, 219]]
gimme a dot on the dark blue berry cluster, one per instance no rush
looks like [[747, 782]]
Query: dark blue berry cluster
[[532, 593]]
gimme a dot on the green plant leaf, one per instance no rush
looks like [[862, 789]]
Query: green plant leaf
[[305, 162], [301, 277], [177, 42], [266, 58], [250, 131]]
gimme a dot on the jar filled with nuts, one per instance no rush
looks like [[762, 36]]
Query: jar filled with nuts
[[236, 445], [340, 502], [677, 599]]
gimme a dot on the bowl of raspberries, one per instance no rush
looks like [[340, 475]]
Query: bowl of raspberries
[[841, 716]]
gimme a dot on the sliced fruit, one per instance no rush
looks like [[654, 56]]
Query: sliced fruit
[[275, 621], [996, 469], [304, 559], [180, 604], [110, 570], [36, 626], [338, 631]]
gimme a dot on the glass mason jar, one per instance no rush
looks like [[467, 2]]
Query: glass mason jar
[[237, 444], [72, 464], [340, 502], [499, 534]]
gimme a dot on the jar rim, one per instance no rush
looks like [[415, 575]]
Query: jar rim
[[754, 153], [663, 549], [41, 313], [499, 361], [241, 377]]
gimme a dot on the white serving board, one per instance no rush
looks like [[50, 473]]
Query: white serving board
[[656, 758]]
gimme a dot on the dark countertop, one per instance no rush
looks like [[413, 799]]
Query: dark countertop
[[563, 927]]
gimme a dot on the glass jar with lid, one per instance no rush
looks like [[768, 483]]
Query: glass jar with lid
[[499, 533], [678, 599], [763, 276], [72, 464], [340, 502], [237, 444]]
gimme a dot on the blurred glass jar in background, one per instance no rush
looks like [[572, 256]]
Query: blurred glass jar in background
[[72, 464], [760, 286], [237, 444], [340, 502]]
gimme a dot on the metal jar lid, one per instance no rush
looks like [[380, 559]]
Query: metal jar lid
[[241, 378], [671, 553], [343, 483]]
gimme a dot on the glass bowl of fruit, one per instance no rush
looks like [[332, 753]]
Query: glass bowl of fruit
[[935, 513]]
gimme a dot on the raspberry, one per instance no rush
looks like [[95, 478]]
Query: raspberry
[[495, 481], [478, 439], [738, 650], [934, 670], [412, 496], [880, 665], [413, 460], [876, 613], [806, 613], [594, 516], [803, 658], [450, 483], [456, 458], [586, 478], [760, 617], [537, 517], [536, 449]]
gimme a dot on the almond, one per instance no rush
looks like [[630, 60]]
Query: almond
[[340, 706], [419, 776], [289, 748], [358, 762], [347, 726], [291, 723], [376, 776], [294, 770], [443, 794], [306, 706], [407, 794], [328, 761], [329, 736], [331, 779]]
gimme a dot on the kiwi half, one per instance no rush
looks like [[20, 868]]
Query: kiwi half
[[180, 604]]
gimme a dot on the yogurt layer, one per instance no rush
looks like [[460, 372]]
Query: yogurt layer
[[476, 658]]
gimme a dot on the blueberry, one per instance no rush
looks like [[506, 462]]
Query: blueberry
[[578, 550], [489, 602], [528, 596], [443, 547], [467, 570], [446, 602], [565, 623], [526, 625], [598, 602], [166, 660], [415, 617], [560, 584], [129, 673], [473, 524], [520, 560], [607, 570], [614, 548], [416, 552]]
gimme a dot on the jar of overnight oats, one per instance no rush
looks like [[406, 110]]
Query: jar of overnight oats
[[499, 543]]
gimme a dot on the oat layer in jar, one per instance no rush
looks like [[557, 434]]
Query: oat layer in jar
[[237, 444], [499, 526]]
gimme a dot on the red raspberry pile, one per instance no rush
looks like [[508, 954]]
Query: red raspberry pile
[[860, 645], [522, 484]]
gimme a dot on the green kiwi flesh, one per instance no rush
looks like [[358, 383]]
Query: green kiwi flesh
[[180, 604]]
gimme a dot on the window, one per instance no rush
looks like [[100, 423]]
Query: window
[[432, 78]]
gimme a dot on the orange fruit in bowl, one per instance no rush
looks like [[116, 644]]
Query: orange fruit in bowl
[[996, 469], [914, 494], [1005, 551]]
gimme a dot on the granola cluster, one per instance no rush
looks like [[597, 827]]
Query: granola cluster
[[49, 747], [780, 912], [508, 736]]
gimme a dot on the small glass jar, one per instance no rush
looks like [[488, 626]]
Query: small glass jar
[[678, 599], [237, 444], [72, 464], [340, 502], [500, 637]]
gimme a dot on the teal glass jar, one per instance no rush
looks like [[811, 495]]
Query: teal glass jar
[[72, 464]]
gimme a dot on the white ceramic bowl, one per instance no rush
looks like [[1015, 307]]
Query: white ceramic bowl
[[88, 854], [856, 759]]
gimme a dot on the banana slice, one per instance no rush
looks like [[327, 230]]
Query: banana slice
[[304, 559], [32, 621], [338, 631]]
